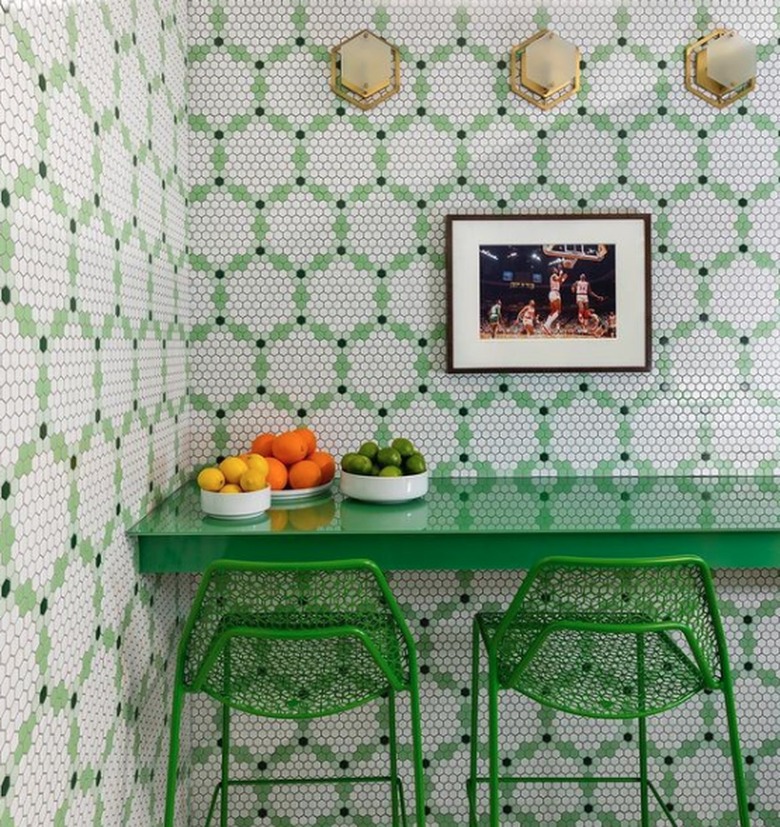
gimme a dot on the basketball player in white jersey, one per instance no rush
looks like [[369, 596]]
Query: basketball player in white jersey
[[527, 316], [557, 278]]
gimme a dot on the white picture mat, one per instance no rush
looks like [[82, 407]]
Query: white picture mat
[[627, 350]]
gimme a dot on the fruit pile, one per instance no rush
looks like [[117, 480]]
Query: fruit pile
[[289, 460], [398, 459]]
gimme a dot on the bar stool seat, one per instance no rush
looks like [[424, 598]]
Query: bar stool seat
[[587, 672], [304, 673], [297, 641]]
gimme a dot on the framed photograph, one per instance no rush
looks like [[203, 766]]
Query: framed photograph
[[548, 293]]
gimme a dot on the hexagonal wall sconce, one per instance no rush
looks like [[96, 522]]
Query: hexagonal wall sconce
[[545, 69], [720, 68], [365, 69]]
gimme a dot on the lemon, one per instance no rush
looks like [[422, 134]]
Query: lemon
[[231, 488], [211, 479], [233, 468], [253, 480], [258, 463]]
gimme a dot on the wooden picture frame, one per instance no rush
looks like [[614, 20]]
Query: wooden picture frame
[[548, 293]]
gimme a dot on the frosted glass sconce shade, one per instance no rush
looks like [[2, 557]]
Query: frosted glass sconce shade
[[720, 68], [545, 69], [365, 70]]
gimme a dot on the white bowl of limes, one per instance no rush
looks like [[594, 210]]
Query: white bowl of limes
[[395, 473], [384, 489]]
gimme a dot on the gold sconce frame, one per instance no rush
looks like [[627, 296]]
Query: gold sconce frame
[[365, 69], [557, 59], [698, 77]]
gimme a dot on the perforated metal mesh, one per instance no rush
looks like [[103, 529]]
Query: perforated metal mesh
[[602, 674], [282, 677]]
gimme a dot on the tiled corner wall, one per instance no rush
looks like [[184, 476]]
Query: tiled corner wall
[[93, 306], [318, 296]]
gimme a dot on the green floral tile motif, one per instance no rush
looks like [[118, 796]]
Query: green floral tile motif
[[93, 336]]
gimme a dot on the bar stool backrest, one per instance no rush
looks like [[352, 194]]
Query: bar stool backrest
[[257, 635], [636, 593]]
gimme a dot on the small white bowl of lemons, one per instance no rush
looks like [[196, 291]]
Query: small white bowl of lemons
[[236, 489]]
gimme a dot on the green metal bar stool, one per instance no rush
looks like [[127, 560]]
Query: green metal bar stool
[[297, 641], [621, 639]]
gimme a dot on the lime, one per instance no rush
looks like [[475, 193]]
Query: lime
[[368, 449], [415, 464], [375, 469], [388, 456], [391, 471], [356, 464], [403, 446], [347, 460]]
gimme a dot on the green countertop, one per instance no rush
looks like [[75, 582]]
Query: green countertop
[[482, 523]]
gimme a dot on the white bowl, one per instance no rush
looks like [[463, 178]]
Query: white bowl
[[384, 489], [235, 506]]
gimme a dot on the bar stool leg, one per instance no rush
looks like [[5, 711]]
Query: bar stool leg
[[643, 777], [736, 751], [223, 800], [173, 753], [474, 742], [417, 753], [394, 780], [493, 737]]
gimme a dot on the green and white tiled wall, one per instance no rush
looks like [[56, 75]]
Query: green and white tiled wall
[[317, 232], [93, 405], [316, 294]]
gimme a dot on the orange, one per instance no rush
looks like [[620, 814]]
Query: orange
[[311, 439], [277, 474], [278, 518], [290, 447], [305, 474], [304, 519], [326, 463], [261, 444]]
